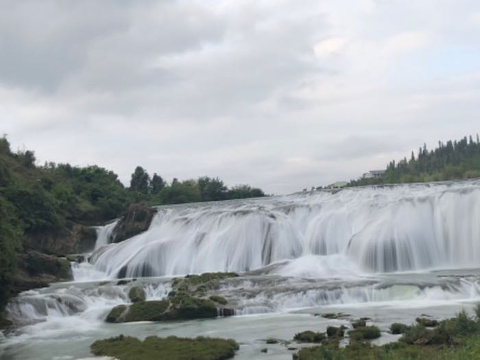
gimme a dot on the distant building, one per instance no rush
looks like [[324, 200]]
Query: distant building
[[374, 174]]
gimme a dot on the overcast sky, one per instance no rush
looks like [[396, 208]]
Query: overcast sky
[[278, 94]]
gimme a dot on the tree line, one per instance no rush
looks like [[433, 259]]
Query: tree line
[[46, 199], [205, 188], [453, 160]]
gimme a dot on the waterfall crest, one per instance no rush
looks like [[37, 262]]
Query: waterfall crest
[[376, 229]]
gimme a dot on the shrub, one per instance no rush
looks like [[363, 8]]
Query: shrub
[[398, 328]]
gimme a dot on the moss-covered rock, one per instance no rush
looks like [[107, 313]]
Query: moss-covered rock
[[333, 331], [365, 333], [218, 299], [147, 311], [426, 322], [172, 348], [136, 219], [74, 239], [184, 306], [334, 315], [117, 314], [309, 337], [399, 328], [181, 307], [38, 270], [35, 264], [198, 285], [137, 294], [359, 323]]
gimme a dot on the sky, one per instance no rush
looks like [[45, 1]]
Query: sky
[[282, 95]]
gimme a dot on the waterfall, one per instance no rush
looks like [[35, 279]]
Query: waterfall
[[372, 229]]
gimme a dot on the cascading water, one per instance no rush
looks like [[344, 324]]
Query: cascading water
[[383, 247], [382, 229]]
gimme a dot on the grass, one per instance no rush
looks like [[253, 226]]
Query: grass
[[172, 348], [453, 339]]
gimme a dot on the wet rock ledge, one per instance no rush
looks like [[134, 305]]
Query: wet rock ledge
[[190, 298]]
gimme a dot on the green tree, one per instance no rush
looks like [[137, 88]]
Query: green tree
[[180, 192], [211, 189], [140, 180], [10, 244], [156, 184]]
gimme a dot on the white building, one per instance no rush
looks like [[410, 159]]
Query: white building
[[374, 174]]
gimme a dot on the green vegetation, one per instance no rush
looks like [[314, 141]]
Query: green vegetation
[[449, 161], [137, 294], [172, 348], [309, 337], [49, 208], [219, 299], [398, 328], [187, 300], [365, 333], [452, 339]]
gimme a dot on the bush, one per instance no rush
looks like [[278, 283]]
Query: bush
[[398, 328], [309, 337], [365, 333]]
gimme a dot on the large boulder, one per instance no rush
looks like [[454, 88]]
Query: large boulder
[[137, 294], [179, 308], [172, 348], [136, 220], [38, 270], [73, 239]]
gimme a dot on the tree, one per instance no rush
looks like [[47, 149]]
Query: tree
[[211, 189], [180, 192], [140, 181], [157, 184]]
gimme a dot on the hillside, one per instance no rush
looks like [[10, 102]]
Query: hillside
[[453, 160], [47, 211]]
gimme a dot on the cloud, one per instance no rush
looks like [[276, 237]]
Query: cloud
[[270, 93]]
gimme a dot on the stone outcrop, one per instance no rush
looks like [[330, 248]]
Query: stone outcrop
[[74, 240], [37, 270], [136, 220], [189, 299]]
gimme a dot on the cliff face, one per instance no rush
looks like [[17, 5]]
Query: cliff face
[[39, 270], [77, 239]]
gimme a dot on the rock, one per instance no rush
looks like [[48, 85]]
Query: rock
[[333, 315], [71, 240], [4, 323], [147, 311], [224, 312], [333, 331], [271, 341], [359, 323], [171, 348], [264, 350], [365, 333], [38, 270], [78, 258], [309, 337], [398, 328], [218, 299], [427, 322], [117, 314], [137, 294], [184, 306], [136, 220]]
